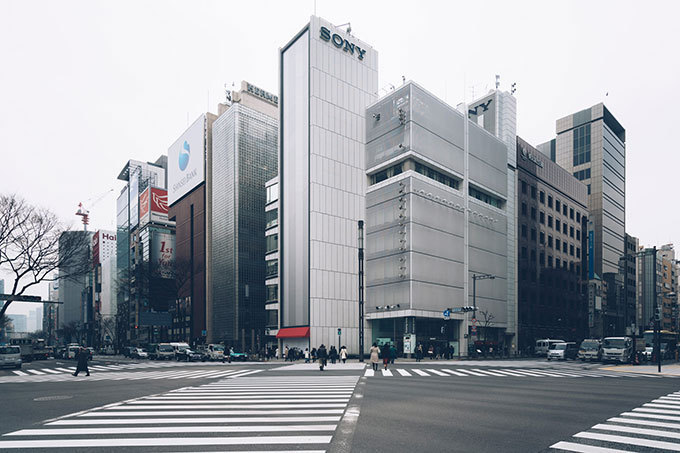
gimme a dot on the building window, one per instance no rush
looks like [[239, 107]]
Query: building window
[[272, 293], [533, 256], [272, 193], [272, 268], [578, 252], [429, 172], [272, 218], [272, 243], [549, 201], [550, 239], [564, 246], [393, 171], [524, 231], [564, 227], [550, 223], [582, 144], [564, 209], [582, 174], [550, 261], [541, 197], [558, 226], [541, 217], [524, 252], [571, 213], [578, 235], [557, 263], [541, 259], [541, 237], [557, 244], [488, 199], [571, 231], [533, 192], [578, 217], [533, 234], [524, 208], [524, 187], [571, 250], [533, 213], [558, 206], [588, 189]]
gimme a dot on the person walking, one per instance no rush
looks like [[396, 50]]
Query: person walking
[[385, 353], [375, 356], [286, 353], [343, 354], [306, 355], [393, 354], [333, 354], [82, 358], [313, 355], [419, 352], [323, 355]]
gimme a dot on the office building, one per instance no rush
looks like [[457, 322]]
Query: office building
[[327, 78], [435, 218], [650, 286], [19, 324], [497, 113], [629, 263], [271, 211], [50, 319], [189, 199], [669, 277], [73, 283], [552, 224], [137, 176], [244, 157]]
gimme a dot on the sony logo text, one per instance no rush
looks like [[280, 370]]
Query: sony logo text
[[341, 43]]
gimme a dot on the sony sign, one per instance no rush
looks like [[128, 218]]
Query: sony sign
[[526, 155], [341, 43], [186, 161]]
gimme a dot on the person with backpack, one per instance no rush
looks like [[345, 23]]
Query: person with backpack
[[322, 354]]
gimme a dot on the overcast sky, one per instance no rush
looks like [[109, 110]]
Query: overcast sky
[[87, 85]]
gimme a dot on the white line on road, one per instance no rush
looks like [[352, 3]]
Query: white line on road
[[170, 429], [644, 422], [35, 371], [455, 373], [420, 372], [160, 441], [472, 373], [404, 372], [642, 431], [437, 372], [253, 405], [214, 412], [49, 370], [654, 416], [491, 373], [170, 421], [629, 441], [20, 373], [582, 448], [369, 373], [248, 400], [386, 372]]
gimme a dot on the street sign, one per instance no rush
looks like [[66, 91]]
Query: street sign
[[20, 298], [474, 322], [447, 313]]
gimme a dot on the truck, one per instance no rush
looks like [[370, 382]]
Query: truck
[[617, 349], [26, 347]]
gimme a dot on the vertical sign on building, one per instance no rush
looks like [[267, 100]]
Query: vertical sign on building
[[163, 254]]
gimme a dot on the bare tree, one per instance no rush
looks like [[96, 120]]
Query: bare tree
[[487, 322], [33, 247]]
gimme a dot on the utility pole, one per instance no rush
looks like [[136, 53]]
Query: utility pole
[[361, 290], [476, 277]]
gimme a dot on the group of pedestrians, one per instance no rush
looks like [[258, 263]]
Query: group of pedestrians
[[323, 355], [388, 354]]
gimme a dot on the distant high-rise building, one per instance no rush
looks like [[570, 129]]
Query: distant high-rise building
[[73, 283], [19, 323], [244, 157]]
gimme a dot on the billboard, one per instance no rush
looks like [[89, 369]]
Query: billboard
[[163, 254], [186, 161], [153, 206], [135, 174]]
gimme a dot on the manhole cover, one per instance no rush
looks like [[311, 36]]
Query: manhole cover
[[53, 398]]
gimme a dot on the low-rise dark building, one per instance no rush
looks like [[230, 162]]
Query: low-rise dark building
[[552, 224]]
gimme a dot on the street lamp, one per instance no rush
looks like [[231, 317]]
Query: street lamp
[[476, 277]]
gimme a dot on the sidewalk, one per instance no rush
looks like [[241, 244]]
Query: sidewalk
[[666, 370]]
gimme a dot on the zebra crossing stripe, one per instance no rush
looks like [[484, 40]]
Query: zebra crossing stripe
[[20, 373], [438, 373], [642, 431], [509, 373], [386, 372], [581, 448], [490, 373], [644, 422], [35, 372], [471, 373], [455, 373], [629, 441], [404, 372], [170, 429], [183, 420], [50, 371], [420, 372]]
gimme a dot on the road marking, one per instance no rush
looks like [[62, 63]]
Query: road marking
[[169, 429], [455, 373], [642, 431], [48, 370], [420, 372], [135, 406], [582, 448], [528, 373], [246, 401], [65, 370], [509, 373], [671, 403], [630, 441], [20, 373], [472, 373], [654, 416], [437, 372], [663, 406], [215, 412], [386, 372], [169, 421], [644, 422], [404, 372], [490, 373], [160, 441], [35, 371], [369, 373]]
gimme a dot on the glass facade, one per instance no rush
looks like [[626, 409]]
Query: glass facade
[[244, 158]]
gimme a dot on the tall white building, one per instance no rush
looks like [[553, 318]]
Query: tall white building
[[327, 78]]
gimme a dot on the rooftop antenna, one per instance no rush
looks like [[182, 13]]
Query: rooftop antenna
[[349, 27], [403, 80], [498, 81], [513, 88]]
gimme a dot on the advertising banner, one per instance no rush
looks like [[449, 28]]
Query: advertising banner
[[134, 197], [144, 207], [163, 254], [158, 205], [186, 161]]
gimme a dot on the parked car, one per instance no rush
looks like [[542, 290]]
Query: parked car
[[563, 351], [139, 353], [178, 348], [542, 346], [590, 349], [10, 356], [189, 355]]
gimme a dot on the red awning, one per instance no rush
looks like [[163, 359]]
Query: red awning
[[293, 332]]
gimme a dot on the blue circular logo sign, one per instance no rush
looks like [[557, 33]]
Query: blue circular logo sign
[[184, 155]]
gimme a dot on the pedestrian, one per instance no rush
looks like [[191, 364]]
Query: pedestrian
[[286, 353], [306, 355], [333, 354], [313, 355], [430, 352], [323, 355], [82, 357], [343, 354], [419, 352], [276, 353], [393, 354], [375, 356], [385, 353]]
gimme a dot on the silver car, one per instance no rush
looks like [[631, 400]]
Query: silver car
[[10, 356]]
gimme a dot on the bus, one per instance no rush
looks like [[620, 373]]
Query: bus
[[26, 347], [667, 339]]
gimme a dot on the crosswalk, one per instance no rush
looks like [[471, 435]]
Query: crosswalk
[[505, 372], [655, 426], [112, 367], [130, 375], [260, 413]]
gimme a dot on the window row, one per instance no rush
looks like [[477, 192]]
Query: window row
[[560, 207]]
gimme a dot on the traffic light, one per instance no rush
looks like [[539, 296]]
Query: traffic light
[[657, 313], [468, 308]]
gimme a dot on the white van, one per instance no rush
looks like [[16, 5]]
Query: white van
[[542, 346], [178, 348], [10, 356], [72, 351]]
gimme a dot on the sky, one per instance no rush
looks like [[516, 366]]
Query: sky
[[87, 85]]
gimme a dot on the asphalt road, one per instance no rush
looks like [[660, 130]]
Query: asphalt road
[[427, 406]]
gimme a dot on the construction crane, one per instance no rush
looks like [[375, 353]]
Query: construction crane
[[85, 212]]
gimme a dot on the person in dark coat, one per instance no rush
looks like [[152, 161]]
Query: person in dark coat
[[333, 354], [385, 354], [82, 358], [323, 355], [393, 354]]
